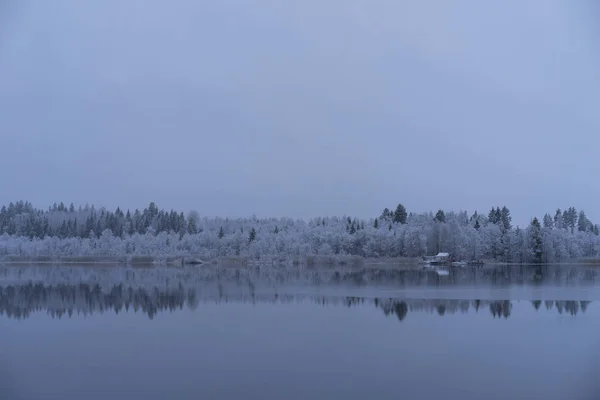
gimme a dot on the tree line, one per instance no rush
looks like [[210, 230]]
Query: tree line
[[64, 230]]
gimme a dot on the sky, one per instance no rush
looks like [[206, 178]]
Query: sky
[[301, 108]]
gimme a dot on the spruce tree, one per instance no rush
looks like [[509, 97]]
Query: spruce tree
[[492, 216], [385, 214], [548, 221], [582, 223], [440, 216], [400, 214], [505, 219], [559, 222], [352, 229], [535, 244], [192, 228]]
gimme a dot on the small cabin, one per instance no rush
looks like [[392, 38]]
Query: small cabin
[[441, 257]]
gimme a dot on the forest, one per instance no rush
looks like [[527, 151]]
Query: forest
[[69, 231]]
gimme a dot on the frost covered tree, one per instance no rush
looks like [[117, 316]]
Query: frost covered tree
[[505, 219], [559, 222], [548, 221], [583, 224], [62, 231]]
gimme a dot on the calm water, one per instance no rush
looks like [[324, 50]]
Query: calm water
[[97, 333]]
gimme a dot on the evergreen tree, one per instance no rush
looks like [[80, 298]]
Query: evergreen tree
[[192, 228], [535, 241], [559, 219], [440, 216], [385, 214], [548, 221], [252, 235], [352, 229], [474, 217], [221, 233], [477, 226], [376, 223], [400, 214], [493, 216], [570, 218], [505, 219], [582, 223]]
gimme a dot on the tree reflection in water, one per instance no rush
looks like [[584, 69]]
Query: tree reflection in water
[[20, 301]]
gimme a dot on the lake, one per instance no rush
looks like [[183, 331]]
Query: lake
[[518, 332]]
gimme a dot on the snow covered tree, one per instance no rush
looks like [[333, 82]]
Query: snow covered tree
[[548, 221], [559, 220], [505, 219]]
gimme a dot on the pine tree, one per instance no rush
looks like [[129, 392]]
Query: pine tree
[[582, 223], [252, 235], [505, 219], [385, 214], [221, 233], [559, 222], [548, 221], [440, 216], [400, 214], [376, 223], [474, 217], [570, 218], [352, 229], [192, 228], [477, 226], [492, 216], [535, 244]]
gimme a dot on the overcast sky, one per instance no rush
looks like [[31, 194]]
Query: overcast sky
[[301, 108]]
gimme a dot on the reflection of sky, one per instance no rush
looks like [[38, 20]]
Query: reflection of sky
[[301, 350]]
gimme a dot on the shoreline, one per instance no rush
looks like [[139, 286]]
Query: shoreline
[[308, 262]]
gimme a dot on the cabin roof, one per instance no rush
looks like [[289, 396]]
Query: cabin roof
[[442, 255]]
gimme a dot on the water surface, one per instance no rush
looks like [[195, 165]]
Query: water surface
[[154, 333]]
